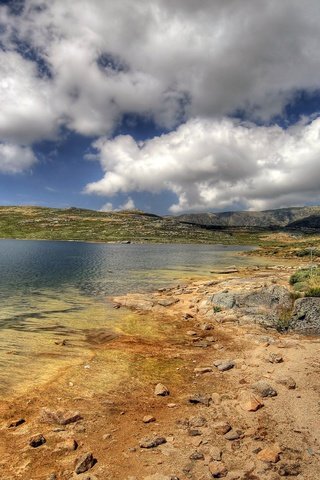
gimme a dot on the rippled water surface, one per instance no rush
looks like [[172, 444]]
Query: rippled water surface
[[51, 291]]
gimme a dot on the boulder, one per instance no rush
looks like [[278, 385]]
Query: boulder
[[306, 316]]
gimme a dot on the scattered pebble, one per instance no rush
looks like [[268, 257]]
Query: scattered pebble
[[161, 390]]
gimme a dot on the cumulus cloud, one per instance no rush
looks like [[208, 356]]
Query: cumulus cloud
[[212, 164], [128, 205], [15, 159]]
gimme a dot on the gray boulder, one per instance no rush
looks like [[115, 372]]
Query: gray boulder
[[224, 300], [306, 316]]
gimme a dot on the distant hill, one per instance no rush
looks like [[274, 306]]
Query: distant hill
[[282, 217]]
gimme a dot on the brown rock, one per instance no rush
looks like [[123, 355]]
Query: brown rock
[[253, 403], [69, 445], [37, 440], [198, 398], [59, 417], [161, 390], [288, 382], [215, 454], [84, 463], [232, 435], [221, 427], [263, 389], [270, 454], [148, 419], [217, 469], [275, 358], [202, 369], [152, 442]]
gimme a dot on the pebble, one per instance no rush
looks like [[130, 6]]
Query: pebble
[[202, 369], [232, 435], [252, 404], [221, 427], [171, 405], [148, 419], [197, 422], [69, 445], [198, 398], [191, 333], [37, 440], [161, 390], [196, 456], [288, 382], [275, 358], [215, 454], [218, 469], [59, 417], [152, 442], [270, 454], [84, 463], [263, 389], [224, 365], [16, 423]]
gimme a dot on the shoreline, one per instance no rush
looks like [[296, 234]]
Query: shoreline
[[112, 409]]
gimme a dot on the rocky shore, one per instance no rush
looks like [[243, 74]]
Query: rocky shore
[[230, 390]]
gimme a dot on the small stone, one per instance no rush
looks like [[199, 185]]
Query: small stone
[[152, 442], [270, 454], [206, 326], [198, 398], [289, 470], [215, 454], [232, 435], [16, 423], [52, 476], [106, 436], [263, 389], [187, 316], [196, 456], [37, 440], [148, 419], [202, 370], [161, 390], [221, 427], [194, 433], [84, 463], [288, 382], [252, 404], [224, 365], [59, 417], [217, 469], [191, 333], [216, 398], [69, 445], [275, 358], [197, 422], [171, 405]]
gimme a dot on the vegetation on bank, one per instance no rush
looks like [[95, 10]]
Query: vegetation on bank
[[307, 281]]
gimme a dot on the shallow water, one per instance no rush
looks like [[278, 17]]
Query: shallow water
[[53, 291]]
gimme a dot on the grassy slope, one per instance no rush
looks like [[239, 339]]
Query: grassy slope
[[90, 225]]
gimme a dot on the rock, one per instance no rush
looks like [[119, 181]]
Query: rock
[[187, 316], [168, 302], [16, 423], [198, 398], [59, 417], [289, 470], [224, 365], [252, 404], [215, 454], [69, 445], [197, 422], [152, 442], [52, 476], [148, 419], [191, 333], [194, 433], [270, 454], [171, 405], [84, 463], [275, 358], [216, 398], [206, 326], [161, 390], [288, 382], [202, 370], [221, 427], [232, 435], [196, 456], [263, 389], [218, 469], [37, 440], [224, 300], [306, 316]]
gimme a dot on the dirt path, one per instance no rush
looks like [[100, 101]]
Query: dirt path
[[214, 436]]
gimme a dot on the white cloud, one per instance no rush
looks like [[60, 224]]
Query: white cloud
[[212, 164], [15, 159], [128, 205]]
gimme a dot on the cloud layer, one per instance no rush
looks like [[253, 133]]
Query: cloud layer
[[212, 164], [82, 65]]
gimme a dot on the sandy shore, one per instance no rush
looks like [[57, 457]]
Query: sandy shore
[[102, 419]]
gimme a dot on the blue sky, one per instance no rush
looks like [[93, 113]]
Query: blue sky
[[166, 106]]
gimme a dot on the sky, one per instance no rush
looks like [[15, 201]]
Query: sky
[[168, 106]]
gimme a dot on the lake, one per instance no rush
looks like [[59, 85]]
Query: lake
[[51, 291]]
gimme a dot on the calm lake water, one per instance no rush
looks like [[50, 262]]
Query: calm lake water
[[51, 291]]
